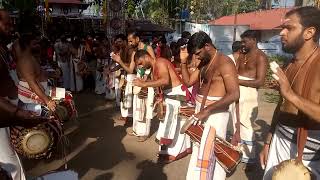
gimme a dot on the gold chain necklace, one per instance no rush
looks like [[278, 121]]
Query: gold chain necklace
[[246, 59], [202, 79]]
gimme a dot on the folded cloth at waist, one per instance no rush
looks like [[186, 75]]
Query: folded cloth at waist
[[210, 99], [26, 95], [295, 121], [244, 78], [175, 91]]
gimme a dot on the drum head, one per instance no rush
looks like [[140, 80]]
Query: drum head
[[36, 142], [136, 90], [186, 125]]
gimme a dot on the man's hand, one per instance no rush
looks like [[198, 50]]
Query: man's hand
[[236, 138], [184, 55], [264, 155], [138, 82], [285, 87], [23, 114], [52, 105], [201, 116], [116, 57]]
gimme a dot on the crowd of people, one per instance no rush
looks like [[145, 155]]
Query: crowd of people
[[187, 83]]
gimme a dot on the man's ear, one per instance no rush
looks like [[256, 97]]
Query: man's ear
[[309, 33], [138, 39], [207, 46]]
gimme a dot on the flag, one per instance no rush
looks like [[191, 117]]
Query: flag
[[104, 11]]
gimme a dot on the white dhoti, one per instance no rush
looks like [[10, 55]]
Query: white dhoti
[[9, 159], [100, 84], [248, 112], [218, 122], [283, 147], [143, 113], [76, 82], [126, 103], [172, 143], [65, 67]]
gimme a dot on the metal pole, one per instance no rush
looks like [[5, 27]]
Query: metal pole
[[235, 22]]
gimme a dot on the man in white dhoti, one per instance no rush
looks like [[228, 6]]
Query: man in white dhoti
[[218, 80], [173, 145], [77, 52], [9, 112], [297, 115], [252, 69], [63, 52], [135, 44]]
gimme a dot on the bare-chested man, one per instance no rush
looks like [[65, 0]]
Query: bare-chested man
[[141, 125], [252, 69], [9, 112], [33, 87], [300, 91], [222, 91], [173, 145]]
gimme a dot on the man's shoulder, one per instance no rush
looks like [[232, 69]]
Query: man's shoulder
[[225, 60]]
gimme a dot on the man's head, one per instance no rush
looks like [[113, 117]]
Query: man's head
[[236, 47], [249, 39], [142, 59], [201, 46], [186, 35], [133, 39], [120, 40], [300, 26], [5, 25], [30, 40]]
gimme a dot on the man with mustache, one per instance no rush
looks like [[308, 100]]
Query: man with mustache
[[223, 89], [141, 123], [298, 110], [252, 68]]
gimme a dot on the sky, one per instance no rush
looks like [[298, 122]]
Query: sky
[[285, 3]]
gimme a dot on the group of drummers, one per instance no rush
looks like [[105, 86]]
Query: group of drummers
[[197, 91]]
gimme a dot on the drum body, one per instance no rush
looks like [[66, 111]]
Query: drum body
[[228, 156], [36, 142], [66, 110]]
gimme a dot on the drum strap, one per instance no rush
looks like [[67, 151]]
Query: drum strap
[[206, 92], [302, 133]]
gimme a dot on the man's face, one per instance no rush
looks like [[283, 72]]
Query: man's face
[[143, 62], [133, 41], [248, 43], [203, 55], [292, 34], [119, 42], [35, 45], [5, 25]]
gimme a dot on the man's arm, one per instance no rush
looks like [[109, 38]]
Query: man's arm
[[229, 76], [163, 79], [188, 79], [262, 65], [130, 68], [151, 52]]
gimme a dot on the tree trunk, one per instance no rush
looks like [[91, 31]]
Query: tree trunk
[[298, 2]]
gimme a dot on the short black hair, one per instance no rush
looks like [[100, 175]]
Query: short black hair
[[186, 34], [140, 53], [252, 34], [135, 34], [198, 40], [120, 36], [309, 17], [236, 46]]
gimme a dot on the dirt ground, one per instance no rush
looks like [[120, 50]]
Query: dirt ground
[[99, 149]]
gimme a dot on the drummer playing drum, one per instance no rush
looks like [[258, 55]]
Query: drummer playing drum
[[219, 73]]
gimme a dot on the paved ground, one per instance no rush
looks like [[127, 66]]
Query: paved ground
[[100, 149]]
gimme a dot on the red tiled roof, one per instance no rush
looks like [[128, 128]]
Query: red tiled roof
[[65, 2], [258, 20]]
